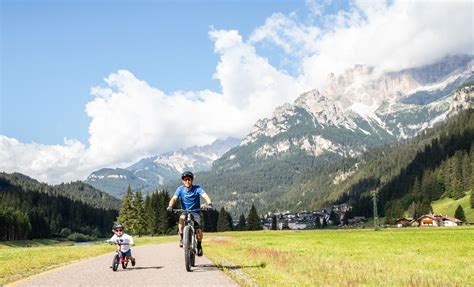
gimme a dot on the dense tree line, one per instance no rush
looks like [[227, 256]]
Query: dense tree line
[[452, 178], [147, 216], [77, 190], [154, 219], [30, 210]]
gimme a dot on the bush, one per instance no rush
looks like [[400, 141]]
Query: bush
[[79, 237], [65, 232]]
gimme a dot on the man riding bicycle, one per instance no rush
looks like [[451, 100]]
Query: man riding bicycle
[[189, 196]]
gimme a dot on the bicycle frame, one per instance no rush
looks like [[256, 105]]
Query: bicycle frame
[[122, 259], [119, 251]]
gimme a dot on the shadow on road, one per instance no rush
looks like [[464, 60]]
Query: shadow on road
[[144, 267], [229, 267]]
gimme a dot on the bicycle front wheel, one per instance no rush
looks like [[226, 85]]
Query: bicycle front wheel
[[187, 247], [193, 258], [115, 262]]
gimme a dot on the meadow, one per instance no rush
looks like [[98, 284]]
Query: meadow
[[347, 257], [447, 206], [23, 258]]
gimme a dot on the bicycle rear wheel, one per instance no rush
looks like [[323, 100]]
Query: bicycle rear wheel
[[187, 247], [124, 264]]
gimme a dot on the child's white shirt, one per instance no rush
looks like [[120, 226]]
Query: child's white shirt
[[125, 238]]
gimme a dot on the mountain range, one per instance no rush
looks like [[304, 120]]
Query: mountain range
[[357, 110], [153, 172]]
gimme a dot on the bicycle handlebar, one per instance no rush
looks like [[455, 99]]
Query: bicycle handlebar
[[187, 210], [118, 243]]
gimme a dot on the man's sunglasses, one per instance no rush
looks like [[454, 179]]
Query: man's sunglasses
[[187, 179]]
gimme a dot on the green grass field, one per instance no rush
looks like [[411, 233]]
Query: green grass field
[[447, 206], [358, 257], [23, 258], [347, 257]]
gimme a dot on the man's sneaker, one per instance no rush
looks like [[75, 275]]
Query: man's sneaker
[[181, 243], [133, 261], [199, 251]]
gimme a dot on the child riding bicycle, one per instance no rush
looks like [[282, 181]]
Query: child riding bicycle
[[123, 240]]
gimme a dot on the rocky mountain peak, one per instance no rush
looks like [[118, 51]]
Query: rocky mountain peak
[[155, 171], [462, 99], [365, 104]]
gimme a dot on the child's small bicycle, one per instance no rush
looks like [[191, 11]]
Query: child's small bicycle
[[119, 257]]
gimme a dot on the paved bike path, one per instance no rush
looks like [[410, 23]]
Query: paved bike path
[[157, 265]]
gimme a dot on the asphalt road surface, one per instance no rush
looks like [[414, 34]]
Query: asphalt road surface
[[157, 265]]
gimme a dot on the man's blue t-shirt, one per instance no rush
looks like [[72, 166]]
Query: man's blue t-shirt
[[190, 199]]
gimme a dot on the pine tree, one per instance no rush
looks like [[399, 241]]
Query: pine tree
[[416, 186], [209, 219], [153, 214], [241, 226], [471, 186], [274, 222], [161, 213], [140, 214], [127, 212], [459, 214], [150, 219], [457, 180], [230, 220], [223, 223], [466, 171], [253, 220]]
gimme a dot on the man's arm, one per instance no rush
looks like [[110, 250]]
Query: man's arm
[[172, 201], [207, 198]]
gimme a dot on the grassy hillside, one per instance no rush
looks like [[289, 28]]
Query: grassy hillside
[[358, 257], [447, 206], [437, 164]]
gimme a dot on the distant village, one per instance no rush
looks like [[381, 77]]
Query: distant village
[[337, 215]]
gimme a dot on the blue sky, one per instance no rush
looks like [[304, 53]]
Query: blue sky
[[92, 84], [53, 52]]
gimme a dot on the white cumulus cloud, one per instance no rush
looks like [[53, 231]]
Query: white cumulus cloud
[[131, 119], [389, 36], [393, 37], [48, 163]]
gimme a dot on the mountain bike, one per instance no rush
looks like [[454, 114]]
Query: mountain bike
[[119, 257], [189, 238]]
